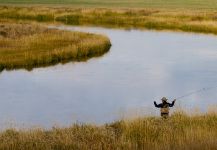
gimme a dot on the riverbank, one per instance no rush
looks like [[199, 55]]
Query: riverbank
[[178, 132], [30, 45], [188, 20]]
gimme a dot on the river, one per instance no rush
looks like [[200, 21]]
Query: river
[[141, 66]]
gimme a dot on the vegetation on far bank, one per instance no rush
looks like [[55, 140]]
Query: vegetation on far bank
[[28, 46], [179, 132], [160, 19]]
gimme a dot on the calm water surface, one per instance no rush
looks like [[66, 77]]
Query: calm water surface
[[142, 66]]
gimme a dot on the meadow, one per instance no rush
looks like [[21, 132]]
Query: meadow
[[30, 45], [179, 132]]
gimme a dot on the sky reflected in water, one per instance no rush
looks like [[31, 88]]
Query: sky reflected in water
[[142, 66]]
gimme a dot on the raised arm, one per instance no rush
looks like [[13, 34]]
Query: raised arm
[[172, 104], [157, 105]]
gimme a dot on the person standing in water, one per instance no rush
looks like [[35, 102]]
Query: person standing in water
[[164, 106]]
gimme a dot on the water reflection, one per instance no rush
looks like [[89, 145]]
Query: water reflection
[[142, 66]]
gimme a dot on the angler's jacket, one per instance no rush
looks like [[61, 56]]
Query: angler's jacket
[[164, 107]]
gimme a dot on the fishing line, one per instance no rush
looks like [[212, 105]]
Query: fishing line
[[197, 91]]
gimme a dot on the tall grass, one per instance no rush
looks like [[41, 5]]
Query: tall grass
[[179, 132], [25, 46], [204, 21]]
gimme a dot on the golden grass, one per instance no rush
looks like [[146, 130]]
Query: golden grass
[[179, 132], [190, 20], [41, 46], [28, 46]]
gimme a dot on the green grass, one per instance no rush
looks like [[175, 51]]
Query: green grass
[[193, 4], [180, 132], [29, 46]]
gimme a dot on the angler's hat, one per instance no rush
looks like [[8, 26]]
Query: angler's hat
[[164, 99]]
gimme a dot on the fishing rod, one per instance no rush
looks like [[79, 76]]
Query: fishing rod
[[197, 91]]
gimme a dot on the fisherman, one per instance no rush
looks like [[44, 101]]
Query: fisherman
[[164, 106]]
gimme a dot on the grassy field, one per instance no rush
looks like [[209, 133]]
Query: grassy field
[[192, 4], [29, 46], [180, 132], [160, 19]]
